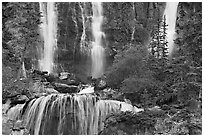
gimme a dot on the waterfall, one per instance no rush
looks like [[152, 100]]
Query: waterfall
[[97, 51], [133, 30], [171, 14], [63, 114], [83, 36], [24, 70], [49, 35]]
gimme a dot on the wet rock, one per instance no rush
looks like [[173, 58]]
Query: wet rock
[[64, 88], [52, 77], [68, 78], [87, 90], [71, 82], [51, 91], [68, 82], [64, 75], [155, 108], [19, 99], [6, 106], [38, 72], [37, 95], [18, 125], [20, 132], [100, 84], [38, 75], [6, 125]]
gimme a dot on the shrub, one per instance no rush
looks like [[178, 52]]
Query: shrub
[[129, 62]]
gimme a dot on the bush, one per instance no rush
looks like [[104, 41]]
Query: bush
[[127, 63]]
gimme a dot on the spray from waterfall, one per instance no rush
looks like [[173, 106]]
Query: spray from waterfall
[[171, 13], [49, 35], [97, 51]]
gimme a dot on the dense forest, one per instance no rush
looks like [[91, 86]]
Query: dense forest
[[139, 70]]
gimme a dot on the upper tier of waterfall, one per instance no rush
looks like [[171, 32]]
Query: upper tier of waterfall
[[97, 51], [171, 14], [49, 35]]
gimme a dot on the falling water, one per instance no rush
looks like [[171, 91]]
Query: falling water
[[97, 51], [133, 30], [83, 36], [49, 34], [67, 114], [24, 70], [171, 13]]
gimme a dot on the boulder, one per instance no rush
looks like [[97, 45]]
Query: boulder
[[87, 90], [6, 125], [68, 78], [64, 88], [19, 99], [52, 77], [100, 85], [68, 82], [51, 91], [38, 72], [71, 82], [37, 95], [64, 75], [18, 125]]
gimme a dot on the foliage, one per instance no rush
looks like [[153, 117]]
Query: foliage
[[189, 41], [187, 63], [180, 123], [154, 122], [130, 123], [20, 36], [22, 23], [129, 62]]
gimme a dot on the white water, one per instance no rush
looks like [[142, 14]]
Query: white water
[[171, 14], [49, 35], [24, 70], [97, 51], [83, 36], [67, 114], [88, 90]]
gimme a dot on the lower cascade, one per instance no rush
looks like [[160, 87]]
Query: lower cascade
[[63, 114]]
